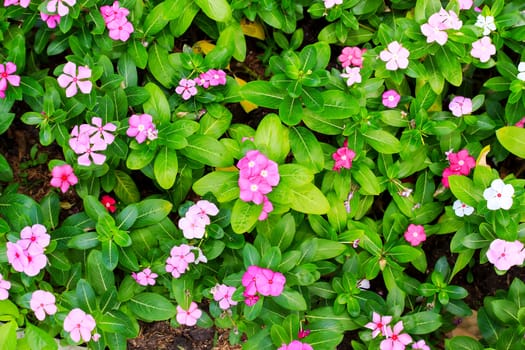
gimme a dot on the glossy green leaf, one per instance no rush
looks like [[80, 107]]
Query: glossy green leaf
[[218, 10], [382, 141], [244, 216], [125, 188], [513, 139], [306, 149], [151, 307], [165, 167], [290, 299], [309, 199], [208, 151]]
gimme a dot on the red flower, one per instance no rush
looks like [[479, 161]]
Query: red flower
[[109, 203]]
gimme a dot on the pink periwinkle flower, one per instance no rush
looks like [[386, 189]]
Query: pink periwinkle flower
[[110, 13], [296, 345], [141, 127], [250, 300], [29, 261], [7, 77], [249, 279], [189, 317], [343, 157], [103, 132], [145, 277], [63, 177], [223, 294], [352, 75], [21, 3], [395, 56], [415, 234], [483, 49], [391, 98], [420, 344], [465, 4], [331, 3], [4, 288], [87, 139], [351, 56], [79, 325], [504, 254], [16, 256], [395, 340], [186, 88], [378, 324], [51, 20], [179, 260], [462, 162], [263, 281], [520, 123], [35, 235], [267, 209], [54, 6], [42, 303], [213, 77], [460, 106], [71, 80], [193, 224], [120, 29]]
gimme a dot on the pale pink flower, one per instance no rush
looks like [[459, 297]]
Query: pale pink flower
[[391, 98], [70, 79], [207, 207], [34, 235], [96, 337], [465, 4], [193, 226], [461, 209], [145, 277], [395, 339], [486, 23], [102, 132], [140, 127], [63, 177], [189, 317], [351, 56], [434, 31], [120, 28], [331, 3], [16, 256], [110, 13], [223, 294], [51, 20], [343, 157], [80, 136], [54, 6], [378, 324], [4, 288], [186, 88], [42, 303], [460, 106], [395, 56], [415, 234], [79, 325], [7, 77], [270, 283], [36, 261], [499, 195], [420, 344], [483, 49], [180, 257], [296, 345], [352, 75], [22, 3], [504, 254], [450, 19]]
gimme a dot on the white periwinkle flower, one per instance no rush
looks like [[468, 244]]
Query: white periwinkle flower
[[521, 69], [486, 23], [499, 195], [461, 209]]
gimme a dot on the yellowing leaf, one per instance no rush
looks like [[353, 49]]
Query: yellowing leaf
[[246, 105], [203, 46], [482, 158], [253, 29]]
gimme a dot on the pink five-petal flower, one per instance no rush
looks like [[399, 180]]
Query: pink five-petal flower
[[99, 159], [207, 207], [434, 34], [250, 300], [120, 29], [343, 158], [461, 162], [504, 254], [499, 195], [415, 234], [180, 257], [395, 339], [139, 126], [421, 345], [351, 56], [22, 3], [36, 261], [352, 75], [249, 279], [378, 324], [223, 294], [296, 345], [34, 235], [217, 77], [79, 325], [395, 56], [483, 49], [460, 105], [186, 88], [103, 132], [16, 256], [189, 317], [391, 98], [253, 189], [267, 208], [110, 13], [70, 79], [145, 277], [270, 283], [63, 177], [42, 303], [193, 226], [51, 20], [7, 76], [4, 288], [54, 6]]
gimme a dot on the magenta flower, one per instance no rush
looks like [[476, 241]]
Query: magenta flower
[[267, 209], [270, 283], [4, 288], [343, 157], [79, 325], [250, 300], [395, 340], [352, 75], [296, 345], [395, 56], [180, 257], [378, 324], [54, 6], [461, 163], [249, 279], [42, 303], [7, 76], [141, 127], [504, 254], [460, 106], [22, 3], [415, 234], [351, 56], [63, 177], [51, 20], [521, 123], [223, 294], [35, 235], [189, 317], [186, 88], [120, 29], [145, 277], [420, 344], [303, 333], [110, 13], [70, 79], [212, 77], [391, 98], [253, 190], [483, 49]]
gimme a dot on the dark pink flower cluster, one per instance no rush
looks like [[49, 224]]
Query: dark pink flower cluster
[[7, 77], [188, 87], [259, 280], [87, 139], [27, 254], [460, 164], [117, 22], [257, 176], [343, 157]]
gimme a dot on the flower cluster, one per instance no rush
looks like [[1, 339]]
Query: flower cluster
[[42, 303], [499, 195], [223, 295], [504, 254], [79, 325], [63, 177], [343, 157], [73, 79], [87, 139], [394, 339], [257, 176], [7, 77], [351, 59], [27, 254], [145, 277], [141, 127], [259, 280], [438, 23], [180, 258], [115, 18], [188, 87], [193, 224], [460, 163], [415, 234], [189, 317], [296, 345], [4, 288]]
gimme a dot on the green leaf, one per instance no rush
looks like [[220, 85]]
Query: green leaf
[[151, 211], [262, 93], [160, 67], [151, 307], [139, 53], [84, 241], [291, 110], [291, 300], [339, 105], [110, 254], [295, 175], [157, 105], [165, 167], [513, 139], [504, 310], [463, 343], [117, 321], [309, 199], [250, 255], [100, 278], [125, 188], [218, 10], [382, 141], [155, 20], [8, 336], [488, 326], [463, 188], [208, 151], [449, 66], [367, 180], [422, 322], [280, 335], [37, 338], [272, 138], [306, 149], [244, 216], [223, 185], [404, 253], [327, 249], [86, 296], [6, 173]]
